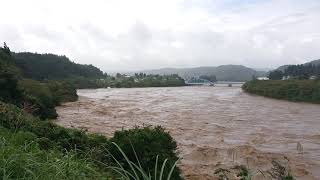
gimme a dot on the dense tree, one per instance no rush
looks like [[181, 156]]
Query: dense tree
[[52, 67], [276, 75], [37, 98], [9, 76], [301, 71]]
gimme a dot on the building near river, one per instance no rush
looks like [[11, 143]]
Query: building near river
[[263, 78], [313, 77]]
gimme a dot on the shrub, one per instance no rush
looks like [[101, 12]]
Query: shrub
[[148, 143], [62, 91], [40, 98]]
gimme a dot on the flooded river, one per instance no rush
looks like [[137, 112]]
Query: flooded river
[[215, 127]]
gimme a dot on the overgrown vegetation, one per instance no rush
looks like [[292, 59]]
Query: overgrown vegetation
[[37, 98], [22, 157], [94, 149], [300, 71], [44, 67], [292, 90], [32, 147], [147, 147], [52, 67], [125, 81]]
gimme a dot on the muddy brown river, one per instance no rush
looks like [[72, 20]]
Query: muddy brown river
[[215, 127]]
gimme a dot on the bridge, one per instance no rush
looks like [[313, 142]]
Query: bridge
[[217, 83]]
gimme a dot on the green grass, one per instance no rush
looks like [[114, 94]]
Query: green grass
[[21, 157], [137, 172], [79, 148], [292, 90]]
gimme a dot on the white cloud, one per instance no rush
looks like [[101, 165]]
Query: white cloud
[[143, 34]]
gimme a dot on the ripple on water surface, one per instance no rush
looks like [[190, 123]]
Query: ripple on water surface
[[214, 126]]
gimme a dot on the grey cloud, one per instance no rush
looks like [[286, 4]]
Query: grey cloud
[[257, 34]]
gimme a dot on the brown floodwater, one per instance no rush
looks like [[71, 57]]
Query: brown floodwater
[[215, 127]]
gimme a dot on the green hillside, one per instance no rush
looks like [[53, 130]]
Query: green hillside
[[52, 67]]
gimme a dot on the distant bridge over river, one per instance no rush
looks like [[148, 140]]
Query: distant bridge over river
[[218, 83]]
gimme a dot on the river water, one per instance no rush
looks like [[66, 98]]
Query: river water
[[215, 127]]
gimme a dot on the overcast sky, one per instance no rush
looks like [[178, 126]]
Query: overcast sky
[[127, 35]]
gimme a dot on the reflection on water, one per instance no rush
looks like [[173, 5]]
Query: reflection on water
[[214, 126]]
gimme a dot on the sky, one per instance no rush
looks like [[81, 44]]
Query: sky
[[131, 35]]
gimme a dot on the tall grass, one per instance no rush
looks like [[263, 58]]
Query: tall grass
[[137, 172], [22, 158]]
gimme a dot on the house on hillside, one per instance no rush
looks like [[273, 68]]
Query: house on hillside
[[262, 78], [286, 77], [313, 77]]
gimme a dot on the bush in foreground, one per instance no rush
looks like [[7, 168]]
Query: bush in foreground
[[146, 147]]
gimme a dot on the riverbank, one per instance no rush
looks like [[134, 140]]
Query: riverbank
[[214, 127], [31, 148], [291, 90]]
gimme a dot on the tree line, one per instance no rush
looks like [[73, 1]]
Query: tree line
[[301, 71]]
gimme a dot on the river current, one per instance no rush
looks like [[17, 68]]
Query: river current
[[215, 127]]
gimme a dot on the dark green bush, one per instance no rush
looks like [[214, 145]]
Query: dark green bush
[[148, 143], [40, 98]]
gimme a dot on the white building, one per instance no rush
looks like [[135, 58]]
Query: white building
[[286, 77], [263, 78], [313, 77]]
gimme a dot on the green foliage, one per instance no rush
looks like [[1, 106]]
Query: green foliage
[[52, 67], [9, 91], [276, 75], [21, 157], [9, 75], [34, 97], [151, 145], [137, 172], [124, 81], [39, 97], [301, 71], [62, 91], [14, 118], [292, 90], [149, 142]]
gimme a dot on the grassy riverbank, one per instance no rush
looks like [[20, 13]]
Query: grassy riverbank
[[292, 90], [33, 147]]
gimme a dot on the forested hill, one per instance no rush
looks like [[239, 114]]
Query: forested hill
[[301, 71], [52, 67], [222, 73]]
